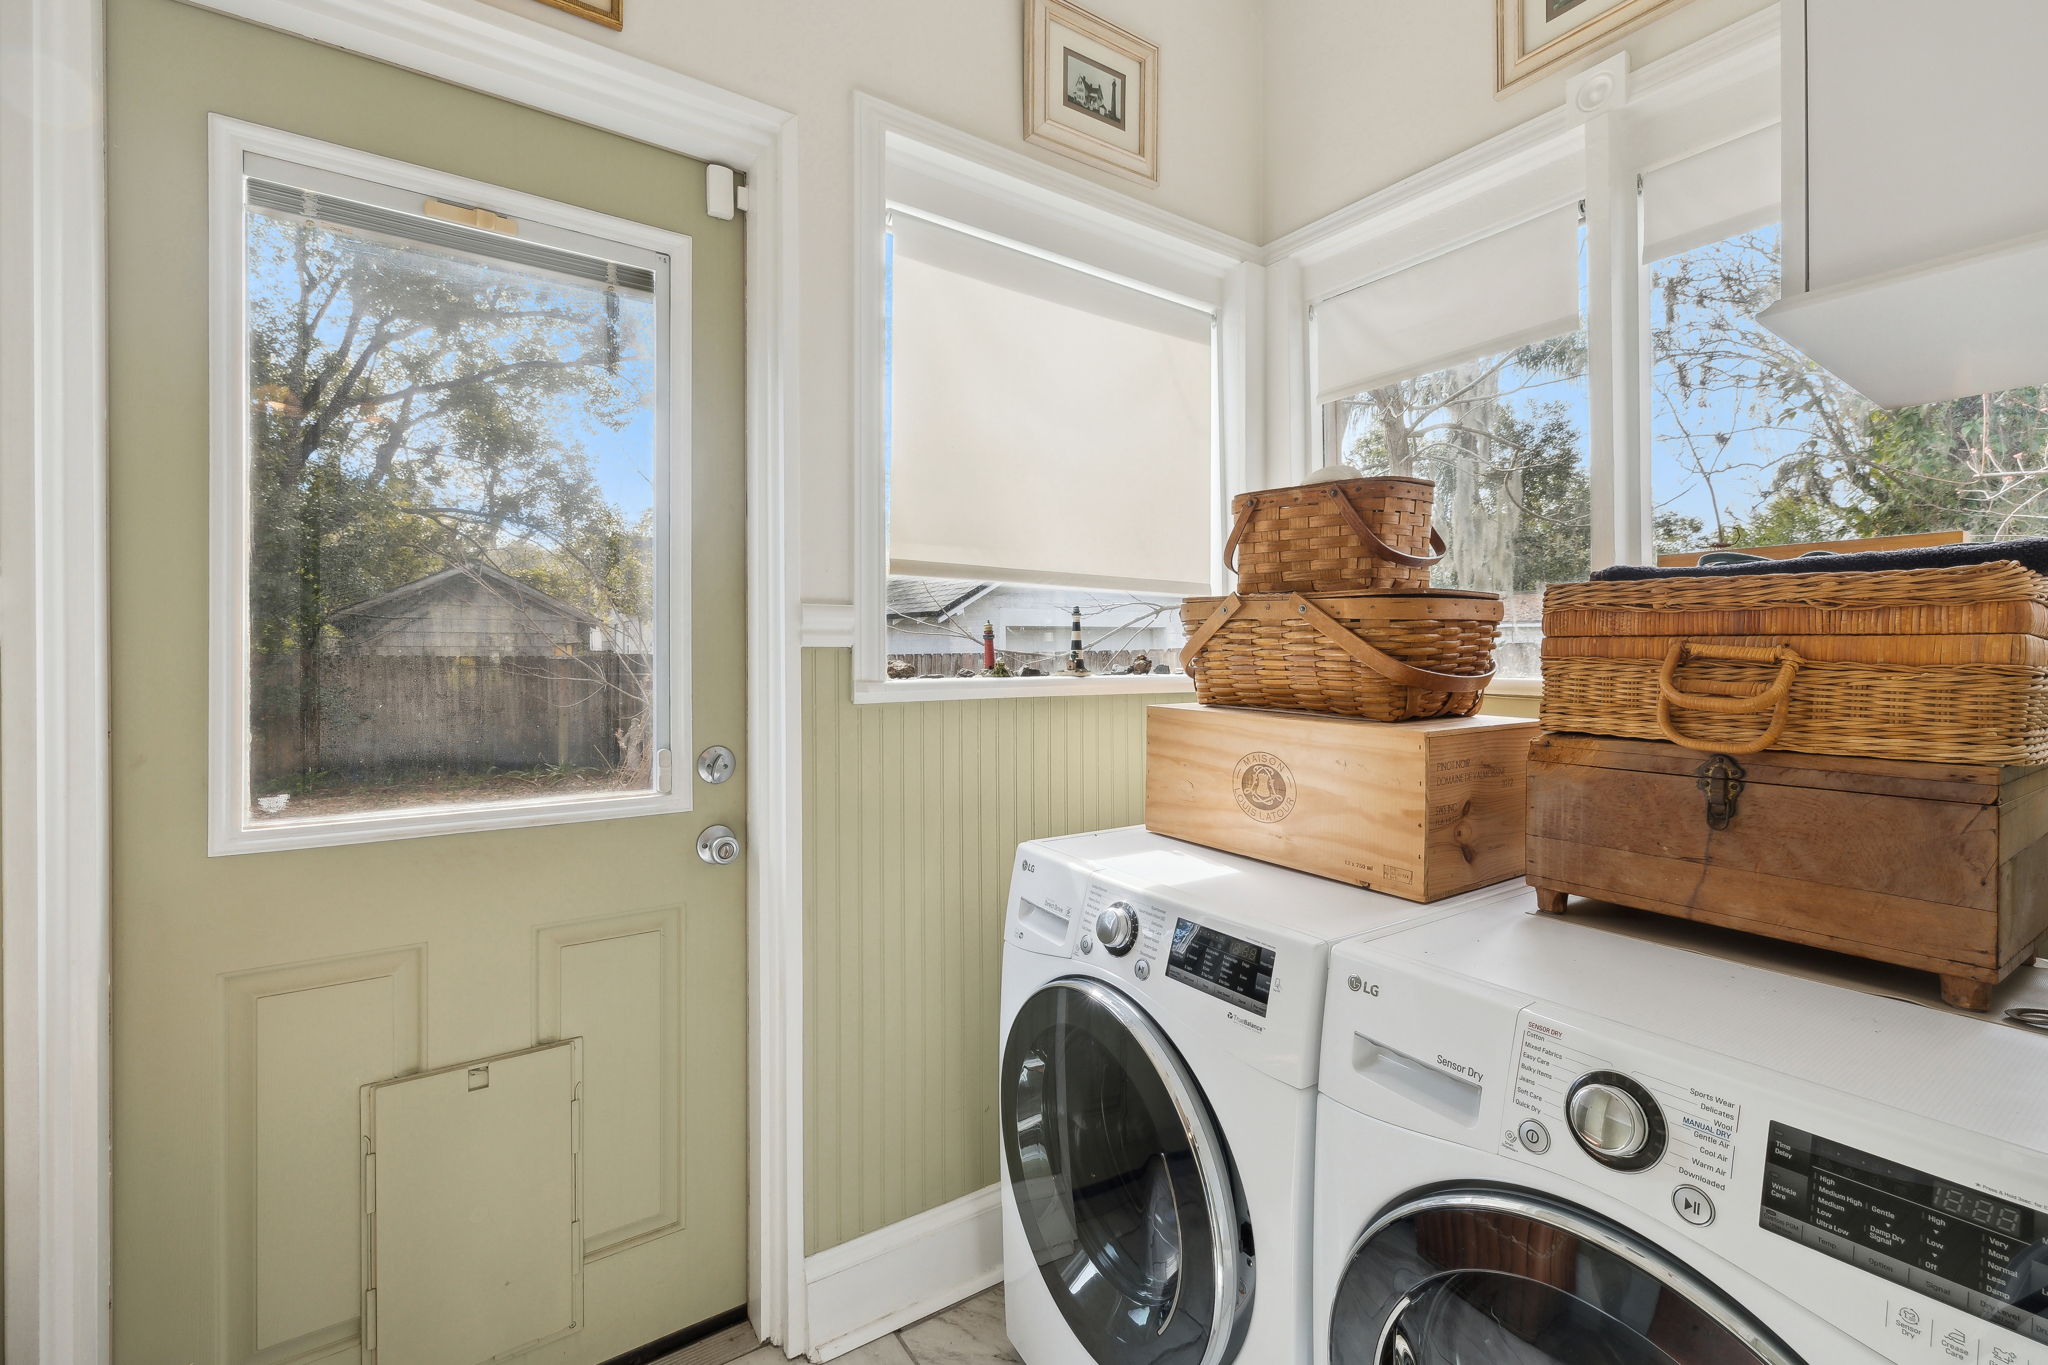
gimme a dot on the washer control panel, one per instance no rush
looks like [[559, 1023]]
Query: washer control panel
[[1625, 1118]]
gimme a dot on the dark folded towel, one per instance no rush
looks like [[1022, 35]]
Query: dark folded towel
[[2031, 551]]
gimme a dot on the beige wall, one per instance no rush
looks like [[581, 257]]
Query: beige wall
[[960, 62], [1363, 93]]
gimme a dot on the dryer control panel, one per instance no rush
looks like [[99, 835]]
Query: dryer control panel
[[1968, 1248], [1620, 1112]]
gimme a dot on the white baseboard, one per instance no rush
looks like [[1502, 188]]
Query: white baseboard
[[869, 1287], [828, 625]]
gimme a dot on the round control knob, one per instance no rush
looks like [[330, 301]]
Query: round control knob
[[1117, 927], [1616, 1121]]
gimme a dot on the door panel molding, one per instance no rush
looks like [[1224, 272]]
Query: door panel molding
[[53, 705], [305, 1038], [634, 1183]]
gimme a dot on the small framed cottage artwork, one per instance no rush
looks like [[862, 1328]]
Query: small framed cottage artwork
[[1533, 36], [610, 13], [1091, 89]]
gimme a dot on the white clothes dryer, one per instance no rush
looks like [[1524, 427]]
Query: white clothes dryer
[[1162, 1006], [1542, 1144]]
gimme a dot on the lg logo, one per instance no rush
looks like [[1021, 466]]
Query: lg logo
[[1027, 865], [1364, 987]]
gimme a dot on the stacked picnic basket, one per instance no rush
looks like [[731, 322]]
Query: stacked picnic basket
[[1292, 753], [1831, 752]]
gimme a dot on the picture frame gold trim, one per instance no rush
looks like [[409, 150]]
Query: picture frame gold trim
[[1514, 68], [1043, 130], [610, 13]]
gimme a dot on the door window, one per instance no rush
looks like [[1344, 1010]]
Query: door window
[[454, 522], [1122, 1184], [1489, 1278]]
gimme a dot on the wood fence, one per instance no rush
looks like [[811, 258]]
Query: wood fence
[[395, 713]]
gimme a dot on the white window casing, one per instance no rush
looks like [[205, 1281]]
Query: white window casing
[[1014, 497], [552, 236]]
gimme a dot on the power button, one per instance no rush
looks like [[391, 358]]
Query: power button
[[1534, 1136]]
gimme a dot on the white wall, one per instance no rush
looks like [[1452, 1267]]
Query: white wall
[[960, 62], [1363, 93]]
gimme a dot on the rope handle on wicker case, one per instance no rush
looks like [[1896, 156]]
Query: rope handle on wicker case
[[1378, 548], [1776, 698], [1386, 665]]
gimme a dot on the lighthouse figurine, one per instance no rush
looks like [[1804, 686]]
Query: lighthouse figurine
[[988, 647], [1075, 667]]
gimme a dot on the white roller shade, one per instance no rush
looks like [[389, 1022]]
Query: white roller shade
[[1503, 291], [1046, 425], [1727, 189]]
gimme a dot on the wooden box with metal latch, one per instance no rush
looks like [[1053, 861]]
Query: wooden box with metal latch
[[1421, 810], [1939, 866]]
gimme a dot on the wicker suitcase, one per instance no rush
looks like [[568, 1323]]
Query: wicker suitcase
[[1377, 656], [1932, 665], [1347, 535]]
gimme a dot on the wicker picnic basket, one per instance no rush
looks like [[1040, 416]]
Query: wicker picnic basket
[[1346, 535], [1377, 656], [1943, 665]]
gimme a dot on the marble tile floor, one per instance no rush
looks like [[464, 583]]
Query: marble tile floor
[[969, 1333]]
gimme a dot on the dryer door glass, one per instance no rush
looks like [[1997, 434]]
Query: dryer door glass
[[1123, 1186], [1488, 1277]]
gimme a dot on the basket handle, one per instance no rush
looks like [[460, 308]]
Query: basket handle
[[1378, 548], [1218, 619], [1776, 698]]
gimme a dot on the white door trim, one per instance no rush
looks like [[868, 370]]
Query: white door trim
[[53, 699], [53, 680]]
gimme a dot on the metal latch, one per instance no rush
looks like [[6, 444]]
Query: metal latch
[[1720, 777]]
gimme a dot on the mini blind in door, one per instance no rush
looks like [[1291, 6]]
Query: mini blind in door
[[1046, 424]]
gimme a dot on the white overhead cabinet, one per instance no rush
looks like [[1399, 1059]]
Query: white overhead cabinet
[[1916, 244]]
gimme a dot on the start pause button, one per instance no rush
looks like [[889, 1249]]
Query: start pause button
[[1693, 1205]]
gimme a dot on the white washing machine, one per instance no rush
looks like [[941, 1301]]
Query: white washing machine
[[1539, 1143], [1161, 1011]]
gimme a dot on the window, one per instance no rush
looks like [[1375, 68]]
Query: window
[[1671, 421], [453, 488], [1502, 431], [1045, 452], [1757, 446]]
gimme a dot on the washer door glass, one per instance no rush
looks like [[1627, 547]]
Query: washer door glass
[[1122, 1182], [1488, 1277]]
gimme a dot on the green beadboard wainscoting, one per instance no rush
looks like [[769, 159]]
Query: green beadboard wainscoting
[[1524, 707], [912, 811]]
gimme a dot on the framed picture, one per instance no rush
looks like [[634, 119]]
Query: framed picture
[[610, 13], [1091, 89], [1535, 35]]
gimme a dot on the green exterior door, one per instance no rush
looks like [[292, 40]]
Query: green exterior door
[[256, 993]]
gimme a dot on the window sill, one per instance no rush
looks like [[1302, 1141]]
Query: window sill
[[425, 822], [1176, 685], [1515, 687]]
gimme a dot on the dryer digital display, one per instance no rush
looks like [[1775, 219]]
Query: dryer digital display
[[1233, 969], [1974, 1251]]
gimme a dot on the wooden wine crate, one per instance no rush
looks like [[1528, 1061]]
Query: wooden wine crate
[[1939, 866], [1422, 810]]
